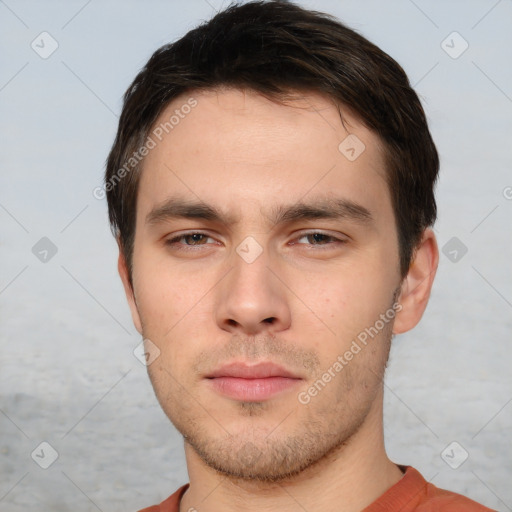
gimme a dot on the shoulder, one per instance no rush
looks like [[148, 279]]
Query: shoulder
[[441, 500], [435, 499], [412, 493], [171, 504]]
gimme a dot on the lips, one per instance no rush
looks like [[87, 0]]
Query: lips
[[252, 383], [257, 371]]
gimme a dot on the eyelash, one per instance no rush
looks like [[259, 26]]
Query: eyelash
[[185, 247]]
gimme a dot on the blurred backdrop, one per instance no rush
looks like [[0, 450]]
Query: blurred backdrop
[[68, 375]]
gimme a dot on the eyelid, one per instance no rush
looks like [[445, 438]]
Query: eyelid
[[176, 237], [338, 238]]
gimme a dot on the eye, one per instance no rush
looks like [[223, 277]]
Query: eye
[[194, 238], [319, 238]]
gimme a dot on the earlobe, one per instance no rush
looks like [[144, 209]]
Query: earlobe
[[417, 284], [129, 292]]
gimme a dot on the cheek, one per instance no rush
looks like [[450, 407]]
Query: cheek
[[342, 303], [340, 294], [176, 313], [165, 294]]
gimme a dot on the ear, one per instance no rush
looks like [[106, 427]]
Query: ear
[[122, 268], [417, 284]]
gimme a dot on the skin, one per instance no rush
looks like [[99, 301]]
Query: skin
[[300, 303]]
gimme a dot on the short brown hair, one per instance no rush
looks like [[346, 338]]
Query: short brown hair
[[274, 48]]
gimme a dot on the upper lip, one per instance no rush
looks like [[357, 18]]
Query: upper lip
[[254, 371]]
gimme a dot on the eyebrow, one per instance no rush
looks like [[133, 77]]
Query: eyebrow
[[324, 208]]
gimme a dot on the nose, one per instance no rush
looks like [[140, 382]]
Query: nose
[[252, 299]]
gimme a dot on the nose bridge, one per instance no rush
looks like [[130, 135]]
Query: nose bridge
[[251, 297], [251, 275]]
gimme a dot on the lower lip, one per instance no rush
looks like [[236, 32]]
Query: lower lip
[[252, 390]]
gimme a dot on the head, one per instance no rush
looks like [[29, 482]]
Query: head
[[271, 189]]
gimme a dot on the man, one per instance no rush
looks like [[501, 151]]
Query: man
[[271, 191]]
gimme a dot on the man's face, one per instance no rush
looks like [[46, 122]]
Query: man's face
[[255, 307]]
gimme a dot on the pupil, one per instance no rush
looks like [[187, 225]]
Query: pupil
[[196, 237]]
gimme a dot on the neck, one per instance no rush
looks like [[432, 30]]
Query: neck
[[349, 479]]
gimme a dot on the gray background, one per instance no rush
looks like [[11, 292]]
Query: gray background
[[68, 375]]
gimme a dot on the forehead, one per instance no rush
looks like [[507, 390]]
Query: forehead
[[235, 147]]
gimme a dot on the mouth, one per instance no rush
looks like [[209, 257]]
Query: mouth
[[252, 383]]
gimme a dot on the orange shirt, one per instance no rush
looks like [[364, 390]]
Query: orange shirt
[[412, 493]]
